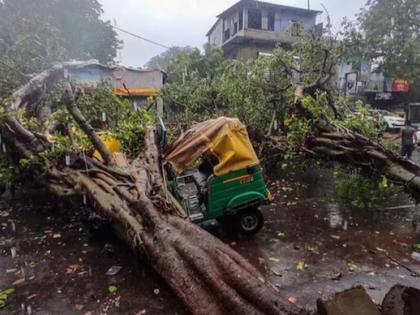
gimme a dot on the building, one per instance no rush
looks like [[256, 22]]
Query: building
[[373, 87], [138, 84], [250, 28]]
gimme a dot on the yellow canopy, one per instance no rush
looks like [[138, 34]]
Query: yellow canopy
[[226, 138], [114, 147], [144, 91]]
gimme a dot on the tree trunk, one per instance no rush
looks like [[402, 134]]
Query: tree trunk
[[339, 144]]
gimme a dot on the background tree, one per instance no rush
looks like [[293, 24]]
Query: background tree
[[391, 37], [192, 91], [165, 59], [35, 34]]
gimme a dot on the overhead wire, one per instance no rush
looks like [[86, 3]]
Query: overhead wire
[[140, 37]]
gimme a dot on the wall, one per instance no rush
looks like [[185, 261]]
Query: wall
[[275, 21], [250, 51], [117, 76], [228, 25], [216, 35]]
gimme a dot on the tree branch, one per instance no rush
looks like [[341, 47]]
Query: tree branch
[[70, 103]]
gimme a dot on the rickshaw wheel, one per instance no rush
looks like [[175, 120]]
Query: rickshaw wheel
[[249, 221]]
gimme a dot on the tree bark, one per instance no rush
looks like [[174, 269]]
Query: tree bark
[[332, 142], [70, 103]]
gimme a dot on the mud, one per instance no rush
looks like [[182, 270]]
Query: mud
[[313, 245]]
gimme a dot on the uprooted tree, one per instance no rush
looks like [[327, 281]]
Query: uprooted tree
[[204, 273]]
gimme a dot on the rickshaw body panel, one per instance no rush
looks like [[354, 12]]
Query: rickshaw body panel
[[233, 191]]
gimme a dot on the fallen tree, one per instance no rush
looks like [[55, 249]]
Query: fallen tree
[[339, 144], [205, 274]]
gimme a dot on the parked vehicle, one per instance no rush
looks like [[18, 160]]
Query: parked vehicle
[[228, 183], [418, 137], [392, 121]]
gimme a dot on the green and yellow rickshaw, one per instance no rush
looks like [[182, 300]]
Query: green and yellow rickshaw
[[214, 173]]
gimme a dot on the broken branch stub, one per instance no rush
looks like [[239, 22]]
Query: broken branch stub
[[70, 103]]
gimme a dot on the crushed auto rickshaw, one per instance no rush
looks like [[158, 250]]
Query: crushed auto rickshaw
[[214, 173]]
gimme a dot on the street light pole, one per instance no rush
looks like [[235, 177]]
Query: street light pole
[[309, 4]]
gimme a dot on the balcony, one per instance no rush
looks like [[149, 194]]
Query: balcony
[[259, 36]]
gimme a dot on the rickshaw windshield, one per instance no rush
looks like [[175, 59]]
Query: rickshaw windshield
[[226, 138]]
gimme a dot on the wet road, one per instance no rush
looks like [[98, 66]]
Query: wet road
[[60, 269], [312, 245]]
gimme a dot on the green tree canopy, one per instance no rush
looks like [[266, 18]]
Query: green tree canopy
[[391, 36], [34, 34], [165, 59]]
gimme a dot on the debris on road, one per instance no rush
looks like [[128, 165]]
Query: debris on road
[[112, 289], [350, 302], [114, 270]]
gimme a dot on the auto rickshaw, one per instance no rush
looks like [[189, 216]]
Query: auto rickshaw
[[214, 173]]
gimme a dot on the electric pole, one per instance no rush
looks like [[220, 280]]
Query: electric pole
[[309, 4]]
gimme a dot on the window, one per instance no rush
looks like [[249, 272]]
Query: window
[[296, 28], [254, 19], [264, 21], [271, 16], [414, 113], [226, 36]]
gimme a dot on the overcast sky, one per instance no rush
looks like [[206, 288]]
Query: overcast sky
[[186, 22]]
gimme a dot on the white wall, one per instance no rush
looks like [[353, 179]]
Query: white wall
[[216, 36]]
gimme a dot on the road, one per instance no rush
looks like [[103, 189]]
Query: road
[[312, 246]]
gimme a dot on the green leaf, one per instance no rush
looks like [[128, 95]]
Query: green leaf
[[112, 289], [4, 295], [287, 189], [352, 267], [273, 259], [8, 291], [302, 265], [276, 273], [262, 280]]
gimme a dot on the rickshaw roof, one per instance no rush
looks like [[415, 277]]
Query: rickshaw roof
[[226, 138]]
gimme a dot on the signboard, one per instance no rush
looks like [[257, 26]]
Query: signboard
[[383, 96], [351, 83], [400, 85]]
